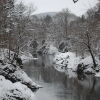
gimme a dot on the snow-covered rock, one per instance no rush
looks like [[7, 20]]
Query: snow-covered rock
[[15, 74], [68, 63], [65, 61], [14, 91], [87, 61], [14, 82], [88, 64]]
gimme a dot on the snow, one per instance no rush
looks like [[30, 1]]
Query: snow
[[7, 30], [89, 69], [87, 61], [68, 64], [67, 60], [52, 50], [4, 54], [14, 91], [23, 78], [14, 82], [15, 74], [97, 74], [25, 56]]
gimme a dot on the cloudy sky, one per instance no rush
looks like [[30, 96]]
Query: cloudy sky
[[57, 5]]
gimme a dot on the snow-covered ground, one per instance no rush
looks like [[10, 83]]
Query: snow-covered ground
[[14, 91], [25, 56], [68, 63], [14, 82], [16, 74]]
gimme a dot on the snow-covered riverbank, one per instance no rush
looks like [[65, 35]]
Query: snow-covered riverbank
[[69, 63], [14, 91], [14, 82], [25, 56]]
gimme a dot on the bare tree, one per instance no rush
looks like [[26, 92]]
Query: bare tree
[[22, 21], [89, 46], [87, 36], [63, 20]]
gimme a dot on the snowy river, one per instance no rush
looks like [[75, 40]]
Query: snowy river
[[57, 86]]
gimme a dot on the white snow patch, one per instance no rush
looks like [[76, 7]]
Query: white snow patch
[[52, 50], [18, 75], [23, 77], [97, 74], [13, 91], [25, 56], [87, 61], [66, 62]]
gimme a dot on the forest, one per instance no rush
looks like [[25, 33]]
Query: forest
[[49, 48]]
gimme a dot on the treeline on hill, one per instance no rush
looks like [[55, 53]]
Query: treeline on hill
[[69, 32], [20, 30]]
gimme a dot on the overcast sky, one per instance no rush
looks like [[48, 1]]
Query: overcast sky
[[57, 5]]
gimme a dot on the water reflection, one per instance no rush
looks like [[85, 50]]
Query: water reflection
[[57, 86]]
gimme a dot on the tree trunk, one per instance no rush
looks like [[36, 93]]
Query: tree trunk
[[93, 58], [9, 43], [90, 49]]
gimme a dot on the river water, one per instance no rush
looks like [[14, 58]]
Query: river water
[[57, 86]]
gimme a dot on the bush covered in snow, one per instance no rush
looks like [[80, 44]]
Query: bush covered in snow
[[69, 63], [66, 62], [14, 91]]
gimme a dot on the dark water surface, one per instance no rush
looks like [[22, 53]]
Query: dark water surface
[[57, 86]]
